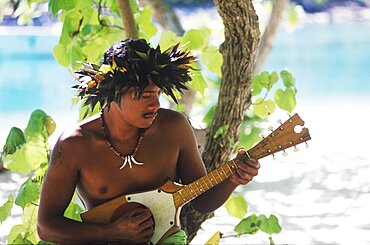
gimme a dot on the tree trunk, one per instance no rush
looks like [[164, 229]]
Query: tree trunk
[[268, 36], [239, 52], [127, 18]]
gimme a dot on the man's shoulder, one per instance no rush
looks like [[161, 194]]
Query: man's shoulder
[[170, 117], [81, 132]]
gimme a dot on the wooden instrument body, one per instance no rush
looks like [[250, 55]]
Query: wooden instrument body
[[162, 205]]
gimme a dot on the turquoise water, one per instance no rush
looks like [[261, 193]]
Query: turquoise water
[[327, 60], [330, 59], [30, 77]]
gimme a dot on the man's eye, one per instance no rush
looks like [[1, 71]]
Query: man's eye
[[145, 96]]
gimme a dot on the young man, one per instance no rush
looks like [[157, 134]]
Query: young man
[[132, 146]]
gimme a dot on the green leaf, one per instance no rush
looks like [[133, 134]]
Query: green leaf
[[45, 243], [256, 85], [215, 239], [113, 7], [198, 82], [16, 231], [50, 125], [60, 54], [263, 80], [93, 49], [209, 115], [28, 193], [285, 99], [250, 132], [236, 206], [134, 5], [288, 78], [293, 14], [212, 59], [71, 25], [196, 39], [144, 20], [75, 54], [14, 141], [21, 240], [29, 219], [263, 108], [73, 211], [220, 131], [36, 125], [36, 1], [180, 107], [168, 39], [247, 225], [269, 225], [56, 5], [28, 157], [273, 78], [6, 209]]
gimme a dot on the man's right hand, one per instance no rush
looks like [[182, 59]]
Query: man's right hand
[[136, 226]]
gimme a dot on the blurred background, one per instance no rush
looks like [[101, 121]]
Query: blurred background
[[321, 194]]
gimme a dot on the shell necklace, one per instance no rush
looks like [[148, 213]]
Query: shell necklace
[[127, 159]]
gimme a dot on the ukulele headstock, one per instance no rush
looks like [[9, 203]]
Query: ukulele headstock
[[288, 134]]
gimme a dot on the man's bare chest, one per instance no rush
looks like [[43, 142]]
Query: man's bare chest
[[101, 178]]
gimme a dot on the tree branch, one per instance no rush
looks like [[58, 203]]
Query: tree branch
[[128, 19], [268, 36]]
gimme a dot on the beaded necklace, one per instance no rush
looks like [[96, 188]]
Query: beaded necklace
[[128, 159]]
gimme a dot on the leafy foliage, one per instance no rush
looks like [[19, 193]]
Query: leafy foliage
[[6, 208], [25, 151], [28, 153], [237, 206]]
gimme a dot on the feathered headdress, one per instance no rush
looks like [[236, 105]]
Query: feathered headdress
[[129, 64]]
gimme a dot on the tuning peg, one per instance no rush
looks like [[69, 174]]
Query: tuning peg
[[273, 157], [285, 153], [270, 128], [280, 121], [262, 135], [295, 149], [307, 145]]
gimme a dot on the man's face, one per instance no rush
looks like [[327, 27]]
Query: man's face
[[141, 112]]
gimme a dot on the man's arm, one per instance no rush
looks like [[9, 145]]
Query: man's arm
[[191, 168], [57, 191]]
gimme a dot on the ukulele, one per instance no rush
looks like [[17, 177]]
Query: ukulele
[[165, 203]]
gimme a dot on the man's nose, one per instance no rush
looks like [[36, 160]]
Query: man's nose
[[154, 104]]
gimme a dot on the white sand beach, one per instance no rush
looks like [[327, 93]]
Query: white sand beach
[[321, 194]]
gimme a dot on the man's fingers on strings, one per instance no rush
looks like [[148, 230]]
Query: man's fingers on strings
[[236, 179]]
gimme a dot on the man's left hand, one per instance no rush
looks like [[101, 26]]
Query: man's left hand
[[247, 169]]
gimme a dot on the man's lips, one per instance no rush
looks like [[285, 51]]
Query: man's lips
[[150, 114]]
